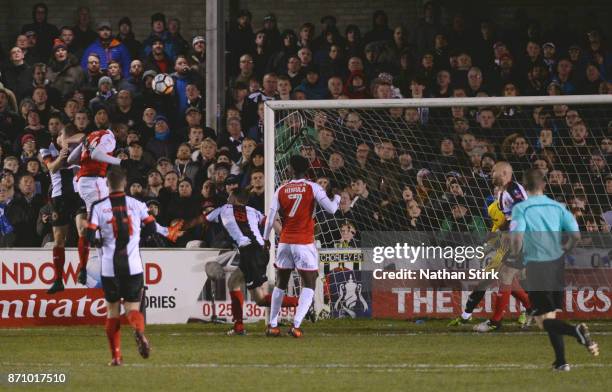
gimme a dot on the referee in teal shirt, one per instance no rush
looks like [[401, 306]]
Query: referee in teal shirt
[[537, 227]]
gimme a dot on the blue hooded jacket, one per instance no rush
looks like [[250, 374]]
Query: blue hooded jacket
[[115, 51]]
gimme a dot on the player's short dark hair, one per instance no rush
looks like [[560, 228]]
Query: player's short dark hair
[[241, 195], [299, 164], [70, 129], [115, 176], [533, 179]]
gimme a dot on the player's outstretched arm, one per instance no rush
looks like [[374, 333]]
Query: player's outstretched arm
[[271, 218], [100, 155], [75, 155], [328, 205]]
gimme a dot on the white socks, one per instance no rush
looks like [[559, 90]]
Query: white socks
[[275, 306], [303, 305]]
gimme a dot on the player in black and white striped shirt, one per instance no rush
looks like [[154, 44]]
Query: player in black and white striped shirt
[[64, 197], [243, 225]]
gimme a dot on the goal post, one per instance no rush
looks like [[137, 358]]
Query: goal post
[[433, 155]]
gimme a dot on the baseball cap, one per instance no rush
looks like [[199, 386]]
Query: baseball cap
[[103, 24], [27, 138], [549, 44]]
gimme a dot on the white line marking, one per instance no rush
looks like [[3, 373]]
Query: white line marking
[[387, 367]]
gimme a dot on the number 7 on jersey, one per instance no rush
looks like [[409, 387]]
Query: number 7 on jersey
[[296, 204]]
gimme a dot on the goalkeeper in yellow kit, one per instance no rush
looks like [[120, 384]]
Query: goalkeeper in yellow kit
[[499, 247]]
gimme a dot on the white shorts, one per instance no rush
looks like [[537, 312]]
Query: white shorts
[[92, 189], [301, 256]]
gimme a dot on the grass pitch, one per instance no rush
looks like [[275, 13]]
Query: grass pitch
[[335, 355]]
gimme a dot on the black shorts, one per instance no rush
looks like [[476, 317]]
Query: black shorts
[[65, 208], [516, 263], [127, 287], [545, 285], [253, 264]]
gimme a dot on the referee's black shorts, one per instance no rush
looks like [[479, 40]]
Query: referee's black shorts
[[546, 284], [127, 287], [65, 208], [253, 264]]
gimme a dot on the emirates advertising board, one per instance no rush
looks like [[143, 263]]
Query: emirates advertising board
[[178, 289]]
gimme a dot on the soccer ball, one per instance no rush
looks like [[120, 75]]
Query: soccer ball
[[163, 84]]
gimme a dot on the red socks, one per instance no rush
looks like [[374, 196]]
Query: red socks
[[522, 296], [237, 303], [501, 302], [83, 247], [113, 325], [136, 320], [59, 258], [288, 301]]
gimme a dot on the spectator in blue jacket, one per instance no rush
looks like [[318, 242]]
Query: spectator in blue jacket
[[6, 229], [313, 86], [108, 48], [183, 75]]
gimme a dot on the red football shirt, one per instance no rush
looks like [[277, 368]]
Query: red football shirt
[[98, 139]]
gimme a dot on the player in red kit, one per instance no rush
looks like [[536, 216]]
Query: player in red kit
[[93, 155], [295, 201]]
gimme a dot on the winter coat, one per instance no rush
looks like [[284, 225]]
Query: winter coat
[[115, 51], [66, 77], [17, 78]]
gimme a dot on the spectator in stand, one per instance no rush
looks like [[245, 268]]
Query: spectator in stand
[[305, 55], [180, 44], [114, 72], [353, 41], [564, 77], [313, 86], [183, 164], [294, 71], [157, 59], [246, 70], [380, 29], [183, 76], [161, 145], [272, 33], [17, 75], [256, 190], [45, 31], [239, 39], [23, 212], [159, 33], [64, 72], [234, 138], [83, 33], [197, 56], [126, 36], [107, 48], [105, 96], [67, 36], [124, 111]]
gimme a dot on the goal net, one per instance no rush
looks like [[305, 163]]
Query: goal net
[[425, 165]]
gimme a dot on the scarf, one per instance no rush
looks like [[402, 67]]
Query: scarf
[[162, 137]]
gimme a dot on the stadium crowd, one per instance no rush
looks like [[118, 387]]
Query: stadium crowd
[[404, 169]]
